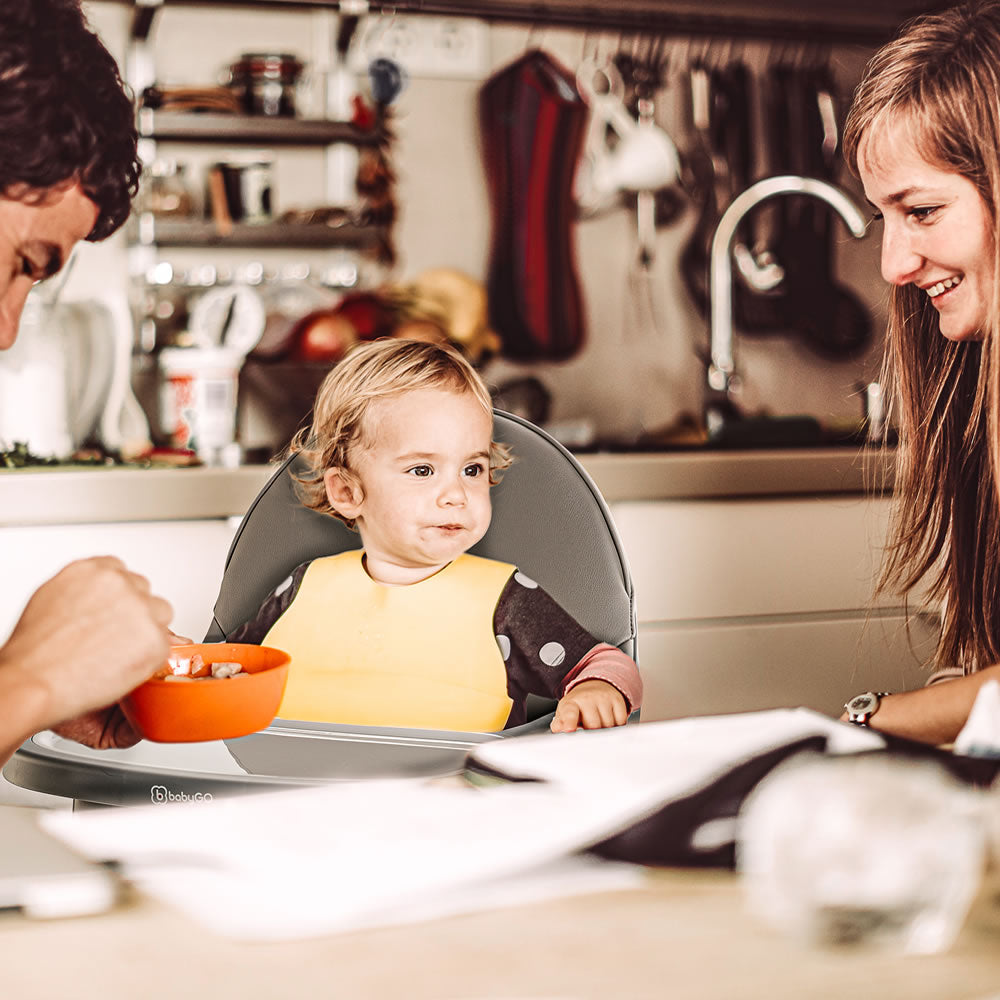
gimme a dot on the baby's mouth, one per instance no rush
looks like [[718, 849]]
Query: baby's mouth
[[943, 286]]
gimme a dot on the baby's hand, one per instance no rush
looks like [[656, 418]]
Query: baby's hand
[[590, 705]]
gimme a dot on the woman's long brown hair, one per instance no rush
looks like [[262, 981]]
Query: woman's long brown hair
[[938, 85]]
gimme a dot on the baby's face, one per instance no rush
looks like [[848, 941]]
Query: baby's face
[[425, 482]]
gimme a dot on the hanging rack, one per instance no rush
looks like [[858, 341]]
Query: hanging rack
[[858, 23]]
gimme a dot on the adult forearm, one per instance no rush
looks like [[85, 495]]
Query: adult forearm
[[23, 708], [933, 714]]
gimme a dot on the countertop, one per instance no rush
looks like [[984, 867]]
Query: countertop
[[685, 935], [79, 495]]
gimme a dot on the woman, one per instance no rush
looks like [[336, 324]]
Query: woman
[[923, 135]]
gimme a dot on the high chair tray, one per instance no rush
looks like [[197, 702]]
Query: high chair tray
[[291, 749], [286, 753]]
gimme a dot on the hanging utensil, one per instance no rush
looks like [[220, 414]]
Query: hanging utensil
[[643, 78], [645, 201], [643, 159]]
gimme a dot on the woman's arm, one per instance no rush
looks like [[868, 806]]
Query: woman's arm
[[934, 714]]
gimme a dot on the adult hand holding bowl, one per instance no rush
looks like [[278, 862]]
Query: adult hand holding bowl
[[185, 709]]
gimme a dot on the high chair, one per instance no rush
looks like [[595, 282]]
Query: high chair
[[548, 518]]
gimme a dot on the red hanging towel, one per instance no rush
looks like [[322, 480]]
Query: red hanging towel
[[533, 122]]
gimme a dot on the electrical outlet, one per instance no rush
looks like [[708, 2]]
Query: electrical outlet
[[446, 47]]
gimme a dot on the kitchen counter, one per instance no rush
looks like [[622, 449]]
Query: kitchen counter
[[45, 495], [714, 474], [685, 934]]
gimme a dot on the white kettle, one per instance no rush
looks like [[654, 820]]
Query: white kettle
[[68, 377]]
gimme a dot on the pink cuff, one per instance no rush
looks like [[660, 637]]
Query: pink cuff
[[608, 663]]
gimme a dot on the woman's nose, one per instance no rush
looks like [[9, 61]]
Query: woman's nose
[[900, 260]]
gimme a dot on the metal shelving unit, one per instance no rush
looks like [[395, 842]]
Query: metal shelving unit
[[194, 127], [186, 126], [855, 21], [152, 231], [148, 233]]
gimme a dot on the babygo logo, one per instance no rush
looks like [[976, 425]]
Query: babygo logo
[[160, 793]]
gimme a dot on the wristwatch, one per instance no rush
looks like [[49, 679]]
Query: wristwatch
[[862, 707]]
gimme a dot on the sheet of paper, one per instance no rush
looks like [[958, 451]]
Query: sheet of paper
[[980, 736], [664, 759], [314, 861], [306, 862]]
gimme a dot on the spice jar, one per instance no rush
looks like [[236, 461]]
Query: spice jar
[[165, 190], [265, 82]]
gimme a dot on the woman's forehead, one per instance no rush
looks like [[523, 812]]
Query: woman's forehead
[[896, 138]]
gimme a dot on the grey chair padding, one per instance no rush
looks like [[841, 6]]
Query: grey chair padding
[[548, 518]]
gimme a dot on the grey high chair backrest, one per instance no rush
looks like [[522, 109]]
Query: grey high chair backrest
[[549, 519]]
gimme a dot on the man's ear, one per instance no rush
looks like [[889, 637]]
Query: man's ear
[[344, 492]]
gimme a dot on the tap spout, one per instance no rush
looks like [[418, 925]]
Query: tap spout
[[721, 367]]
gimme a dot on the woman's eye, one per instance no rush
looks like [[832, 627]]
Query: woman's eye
[[473, 470], [876, 216], [420, 471], [922, 212]]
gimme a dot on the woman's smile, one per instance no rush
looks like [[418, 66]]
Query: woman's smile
[[939, 288]]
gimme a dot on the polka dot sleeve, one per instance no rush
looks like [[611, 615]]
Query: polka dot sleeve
[[543, 645], [275, 605]]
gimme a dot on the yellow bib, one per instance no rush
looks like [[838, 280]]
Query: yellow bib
[[420, 657]]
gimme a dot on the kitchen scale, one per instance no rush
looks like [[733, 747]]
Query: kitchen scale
[[286, 753]]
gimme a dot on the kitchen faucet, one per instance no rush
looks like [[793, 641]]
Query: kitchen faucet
[[721, 369]]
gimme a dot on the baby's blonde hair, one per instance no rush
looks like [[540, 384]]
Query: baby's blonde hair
[[378, 369]]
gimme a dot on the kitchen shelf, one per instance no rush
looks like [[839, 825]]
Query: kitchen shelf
[[856, 21], [152, 231], [178, 126]]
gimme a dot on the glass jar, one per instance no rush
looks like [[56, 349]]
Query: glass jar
[[165, 191], [265, 82]]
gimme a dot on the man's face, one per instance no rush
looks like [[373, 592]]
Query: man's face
[[36, 238]]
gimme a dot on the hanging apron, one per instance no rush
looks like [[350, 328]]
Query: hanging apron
[[533, 122]]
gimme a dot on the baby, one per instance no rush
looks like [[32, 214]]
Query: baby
[[411, 630]]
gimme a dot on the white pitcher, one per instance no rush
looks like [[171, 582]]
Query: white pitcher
[[34, 385], [68, 376]]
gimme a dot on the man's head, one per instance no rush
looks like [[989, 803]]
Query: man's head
[[68, 164]]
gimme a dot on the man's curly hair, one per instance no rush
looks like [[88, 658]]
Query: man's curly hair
[[65, 114]]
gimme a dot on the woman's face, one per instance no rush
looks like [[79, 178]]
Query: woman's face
[[938, 233]]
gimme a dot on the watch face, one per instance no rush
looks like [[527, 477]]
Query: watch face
[[862, 703]]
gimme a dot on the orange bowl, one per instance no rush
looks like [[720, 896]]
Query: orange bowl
[[168, 711]]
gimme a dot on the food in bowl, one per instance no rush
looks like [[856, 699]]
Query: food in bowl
[[194, 668], [217, 702]]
